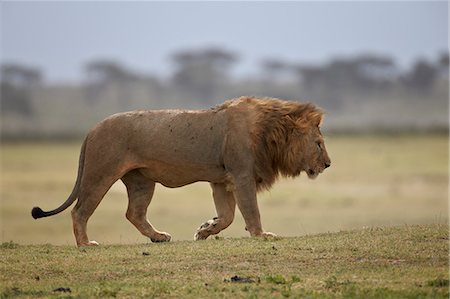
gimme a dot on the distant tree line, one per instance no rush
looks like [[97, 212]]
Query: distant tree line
[[204, 77]]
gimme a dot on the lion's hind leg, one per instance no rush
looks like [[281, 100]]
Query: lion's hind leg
[[88, 200], [140, 191], [225, 207]]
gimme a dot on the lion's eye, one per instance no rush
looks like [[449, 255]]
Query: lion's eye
[[319, 146]]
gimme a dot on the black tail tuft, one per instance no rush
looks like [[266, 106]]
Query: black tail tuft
[[37, 212]]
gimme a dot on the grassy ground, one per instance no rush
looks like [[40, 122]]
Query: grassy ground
[[401, 262], [373, 181], [392, 189]]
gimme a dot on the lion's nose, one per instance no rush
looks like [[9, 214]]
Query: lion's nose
[[327, 165]]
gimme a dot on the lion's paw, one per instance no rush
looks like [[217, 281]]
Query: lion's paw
[[161, 237], [89, 243], [198, 236], [202, 232], [201, 235], [268, 235]]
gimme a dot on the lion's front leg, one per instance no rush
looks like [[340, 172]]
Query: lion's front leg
[[225, 207], [245, 194]]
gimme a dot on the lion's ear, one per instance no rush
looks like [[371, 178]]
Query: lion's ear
[[316, 118], [312, 119]]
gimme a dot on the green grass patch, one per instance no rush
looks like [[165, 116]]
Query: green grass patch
[[438, 282], [398, 262]]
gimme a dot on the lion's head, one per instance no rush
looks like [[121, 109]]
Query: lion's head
[[309, 144], [287, 141]]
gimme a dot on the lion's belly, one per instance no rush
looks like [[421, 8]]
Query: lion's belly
[[176, 176]]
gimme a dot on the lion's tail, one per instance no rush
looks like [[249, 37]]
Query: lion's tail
[[37, 212]]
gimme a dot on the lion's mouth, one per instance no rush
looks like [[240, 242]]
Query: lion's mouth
[[311, 173]]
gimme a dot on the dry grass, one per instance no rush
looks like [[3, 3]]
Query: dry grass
[[373, 181]]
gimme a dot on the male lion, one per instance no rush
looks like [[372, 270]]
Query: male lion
[[240, 147]]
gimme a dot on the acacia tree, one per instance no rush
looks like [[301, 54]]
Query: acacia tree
[[422, 76], [360, 73], [102, 73], [200, 73], [16, 83]]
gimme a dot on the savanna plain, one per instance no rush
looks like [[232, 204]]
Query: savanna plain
[[373, 225]]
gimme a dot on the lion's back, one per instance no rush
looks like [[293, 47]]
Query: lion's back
[[174, 135]]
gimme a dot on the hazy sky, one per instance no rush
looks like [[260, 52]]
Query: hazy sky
[[60, 37]]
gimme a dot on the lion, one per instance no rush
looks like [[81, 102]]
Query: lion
[[240, 147]]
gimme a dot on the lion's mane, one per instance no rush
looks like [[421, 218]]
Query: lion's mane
[[273, 136]]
